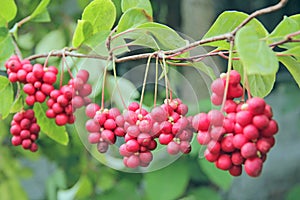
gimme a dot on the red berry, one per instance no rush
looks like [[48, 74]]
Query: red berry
[[61, 119], [83, 75], [256, 105], [146, 157], [227, 143], [271, 129], [237, 158], [203, 137], [94, 137], [132, 145], [91, 110], [249, 150], [133, 106], [253, 166], [16, 140], [133, 161], [123, 151], [201, 122], [210, 156], [260, 121], [49, 77], [85, 90], [40, 97], [214, 147], [108, 136], [47, 88], [29, 89], [224, 162], [215, 99], [217, 87], [251, 132], [239, 140], [159, 114], [165, 138], [185, 147], [235, 170], [26, 144], [173, 148], [110, 124], [243, 118]]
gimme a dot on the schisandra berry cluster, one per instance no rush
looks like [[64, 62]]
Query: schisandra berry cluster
[[140, 130], [243, 136], [38, 85], [63, 102], [25, 130]]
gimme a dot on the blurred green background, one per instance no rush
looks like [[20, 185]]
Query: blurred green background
[[70, 172]]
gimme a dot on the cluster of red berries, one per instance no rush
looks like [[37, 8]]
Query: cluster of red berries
[[39, 85], [64, 102], [25, 130], [243, 136], [139, 129], [38, 81], [103, 126], [235, 89]]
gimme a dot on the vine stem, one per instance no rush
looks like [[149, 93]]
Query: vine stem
[[228, 74], [156, 81], [144, 82], [103, 86], [116, 82]]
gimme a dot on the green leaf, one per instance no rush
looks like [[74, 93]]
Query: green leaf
[[227, 22], [83, 31], [48, 126], [101, 14], [292, 65], [6, 99], [81, 190], [8, 10], [144, 4], [204, 68], [127, 89], [3, 82], [6, 44], [285, 27], [42, 17], [259, 61], [52, 41], [17, 104], [219, 177], [167, 38], [41, 8], [293, 192], [132, 18], [204, 193], [172, 180], [296, 18], [295, 52]]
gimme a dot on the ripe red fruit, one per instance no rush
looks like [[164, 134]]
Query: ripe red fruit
[[165, 138], [123, 151], [146, 157], [158, 114], [237, 158], [249, 150], [256, 105], [217, 87], [215, 117], [214, 147], [235, 170], [173, 148], [91, 110], [49, 77], [61, 119], [243, 118], [215, 99], [94, 137], [239, 140], [264, 145], [210, 156], [201, 122], [133, 161], [227, 143], [271, 129], [182, 109], [108, 136], [185, 147], [251, 132], [144, 139], [85, 90], [260, 121], [203, 137], [83, 75], [16, 140], [224, 162], [253, 166], [132, 145], [29, 89]]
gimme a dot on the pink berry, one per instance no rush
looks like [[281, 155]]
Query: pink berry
[[235, 170], [237, 158], [239, 140], [165, 138], [224, 162], [108, 136], [210, 156], [203, 137], [217, 87], [132, 145], [61, 119], [253, 166], [256, 105], [214, 147], [94, 137], [244, 118], [227, 143], [91, 110], [249, 150], [251, 132], [173, 148]]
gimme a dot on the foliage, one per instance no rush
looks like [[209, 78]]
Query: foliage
[[95, 34]]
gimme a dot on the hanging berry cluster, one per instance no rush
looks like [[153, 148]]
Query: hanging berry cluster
[[239, 135], [38, 85]]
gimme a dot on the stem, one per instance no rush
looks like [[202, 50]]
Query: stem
[[228, 74], [103, 86], [23, 21], [144, 82], [156, 81], [117, 85]]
